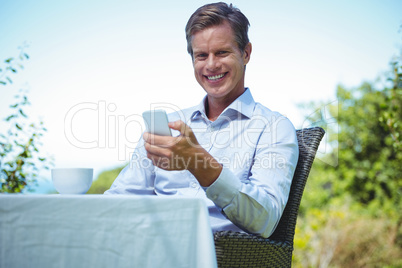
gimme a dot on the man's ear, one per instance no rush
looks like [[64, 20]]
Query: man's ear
[[247, 53]]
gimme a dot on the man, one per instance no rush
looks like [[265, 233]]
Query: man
[[233, 152]]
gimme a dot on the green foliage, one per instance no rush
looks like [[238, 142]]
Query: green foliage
[[351, 211], [392, 108], [369, 167], [20, 158], [368, 149], [104, 181], [12, 65]]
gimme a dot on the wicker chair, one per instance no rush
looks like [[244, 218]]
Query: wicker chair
[[246, 250]]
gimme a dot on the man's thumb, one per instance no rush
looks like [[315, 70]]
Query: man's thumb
[[180, 126]]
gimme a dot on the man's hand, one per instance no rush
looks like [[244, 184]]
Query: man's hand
[[182, 153]]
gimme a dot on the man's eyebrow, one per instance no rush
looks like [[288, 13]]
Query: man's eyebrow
[[223, 48], [200, 51], [197, 49]]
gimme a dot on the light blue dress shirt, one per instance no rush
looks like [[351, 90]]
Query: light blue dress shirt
[[258, 150]]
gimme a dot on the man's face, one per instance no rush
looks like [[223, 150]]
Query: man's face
[[219, 65]]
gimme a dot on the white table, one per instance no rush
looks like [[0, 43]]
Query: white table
[[104, 231]]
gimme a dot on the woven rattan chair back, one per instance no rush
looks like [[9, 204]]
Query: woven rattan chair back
[[246, 250]]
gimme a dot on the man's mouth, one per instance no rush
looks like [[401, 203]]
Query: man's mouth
[[215, 77]]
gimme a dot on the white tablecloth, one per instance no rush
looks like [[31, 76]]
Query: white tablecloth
[[104, 231]]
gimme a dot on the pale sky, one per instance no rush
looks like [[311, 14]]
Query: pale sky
[[95, 66]]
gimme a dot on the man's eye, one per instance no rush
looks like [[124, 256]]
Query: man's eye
[[222, 53], [201, 56]]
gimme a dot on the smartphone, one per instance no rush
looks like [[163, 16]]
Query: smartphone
[[156, 122]]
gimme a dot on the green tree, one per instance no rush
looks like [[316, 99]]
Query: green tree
[[104, 181], [20, 158], [368, 150], [351, 211], [11, 65], [392, 108]]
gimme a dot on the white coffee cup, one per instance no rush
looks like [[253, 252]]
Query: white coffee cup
[[72, 180]]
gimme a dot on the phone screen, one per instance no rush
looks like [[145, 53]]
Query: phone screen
[[156, 122]]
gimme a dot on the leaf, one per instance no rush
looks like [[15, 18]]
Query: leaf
[[26, 100], [8, 60], [9, 79], [10, 164], [22, 113], [18, 126], [10, 117], [19, 144], [3, 83], [26, 55], [11, 69]]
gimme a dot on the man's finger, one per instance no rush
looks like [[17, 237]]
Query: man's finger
[[162, 141], [180, 126], [157, 150]]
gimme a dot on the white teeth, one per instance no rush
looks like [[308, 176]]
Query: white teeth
[[215, 77]]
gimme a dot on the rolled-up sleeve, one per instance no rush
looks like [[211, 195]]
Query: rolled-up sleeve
[[256, 203]]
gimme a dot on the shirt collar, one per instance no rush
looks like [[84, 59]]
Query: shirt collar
[[199, 110], [244, 104]]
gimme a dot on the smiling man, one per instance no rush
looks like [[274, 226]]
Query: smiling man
[[219, 66], [231, 151]]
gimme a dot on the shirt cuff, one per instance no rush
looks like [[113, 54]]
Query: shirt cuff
[[224, 188]]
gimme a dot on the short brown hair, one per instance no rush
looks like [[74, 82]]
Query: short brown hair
[[216, 14]]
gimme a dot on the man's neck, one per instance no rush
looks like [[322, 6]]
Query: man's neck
[[214, 107], [213, 111]]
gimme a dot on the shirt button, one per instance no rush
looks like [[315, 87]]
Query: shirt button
[[194, 185]]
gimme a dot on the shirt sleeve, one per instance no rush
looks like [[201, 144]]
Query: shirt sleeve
[[256, 203], [137, 177]]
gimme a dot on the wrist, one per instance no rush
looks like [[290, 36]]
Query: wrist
[[205, 168]]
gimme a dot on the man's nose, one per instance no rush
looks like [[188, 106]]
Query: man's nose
[[213, 63]]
